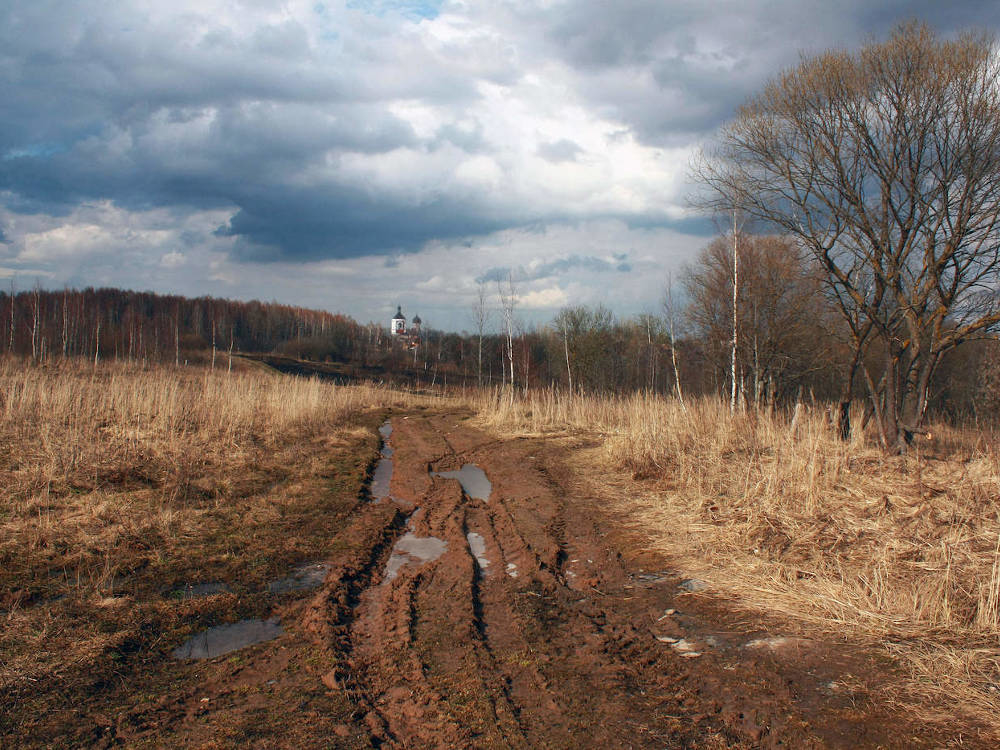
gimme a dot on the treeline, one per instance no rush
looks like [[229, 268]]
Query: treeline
[[117, 324], [790, 342]]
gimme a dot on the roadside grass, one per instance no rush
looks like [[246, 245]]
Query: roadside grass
[[902, 552], [121, 485]]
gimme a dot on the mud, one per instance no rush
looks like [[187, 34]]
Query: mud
[[573, 643], [199, 590]]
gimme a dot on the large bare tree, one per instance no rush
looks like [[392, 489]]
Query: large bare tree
[[884, 164]]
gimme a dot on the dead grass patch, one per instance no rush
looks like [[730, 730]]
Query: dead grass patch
[[122, 484]]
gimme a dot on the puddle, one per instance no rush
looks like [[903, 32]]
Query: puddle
[[303, 577], [478, 547], [199, 590], [413, 550], [225, 638], [382, 477], [474, 481]]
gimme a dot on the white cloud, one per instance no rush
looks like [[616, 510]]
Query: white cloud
[[551, 298], [173, 260]]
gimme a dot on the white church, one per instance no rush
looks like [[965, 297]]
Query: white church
[[397, 327]]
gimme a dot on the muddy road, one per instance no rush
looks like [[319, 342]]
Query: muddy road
[[506, 608]]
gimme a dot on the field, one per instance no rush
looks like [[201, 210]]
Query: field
[[903, 553], [123, 488]]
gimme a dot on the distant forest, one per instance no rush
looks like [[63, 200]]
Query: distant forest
[[790, 346]]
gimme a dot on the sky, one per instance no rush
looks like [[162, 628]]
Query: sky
[[355, 156]]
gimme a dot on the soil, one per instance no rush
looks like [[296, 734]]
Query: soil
[[562, 634]]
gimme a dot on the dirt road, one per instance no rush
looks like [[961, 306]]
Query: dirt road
[[526, 619]]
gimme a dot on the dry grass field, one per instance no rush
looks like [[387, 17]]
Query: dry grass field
[[900, 552], [121, 486]]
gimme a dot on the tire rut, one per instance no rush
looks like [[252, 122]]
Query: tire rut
[[538, 637]]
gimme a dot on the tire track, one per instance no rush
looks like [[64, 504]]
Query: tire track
[[550, 644]]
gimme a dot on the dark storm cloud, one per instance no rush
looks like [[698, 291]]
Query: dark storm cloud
[[312, 224], [676, 71], [106, 104]]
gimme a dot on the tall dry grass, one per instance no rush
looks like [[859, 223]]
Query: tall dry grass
[[121, 483], [777, 511]]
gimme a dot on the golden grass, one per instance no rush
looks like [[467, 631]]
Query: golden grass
[[121, 484], [904, 552]]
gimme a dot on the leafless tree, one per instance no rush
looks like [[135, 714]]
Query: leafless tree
[[36, 295], [480, 314], [884, 164], [564, 324], [668, 308], [10, 340], [508, 301]]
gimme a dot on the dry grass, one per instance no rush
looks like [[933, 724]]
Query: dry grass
[[904, 552], [120, 485]]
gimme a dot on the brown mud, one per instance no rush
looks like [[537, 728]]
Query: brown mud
[[561, 635]]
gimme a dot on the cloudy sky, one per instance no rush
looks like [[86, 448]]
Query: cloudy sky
[[352, 156]]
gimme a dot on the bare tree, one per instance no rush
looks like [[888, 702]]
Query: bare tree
[[734, 379], [668, 305], [480, 314], [884, 164], [508, 301], [564, 324], [10, 340], [36, 295]]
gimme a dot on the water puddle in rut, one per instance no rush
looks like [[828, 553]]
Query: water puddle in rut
[[411, 549], [382, 477], [478, 547], [474, 481], [225, 638], [303, 577]]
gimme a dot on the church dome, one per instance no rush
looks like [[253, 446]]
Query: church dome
[[399, 314], [416, 320]]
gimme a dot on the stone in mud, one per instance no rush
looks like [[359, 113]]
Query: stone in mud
[[692, 585], [773, 643]]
